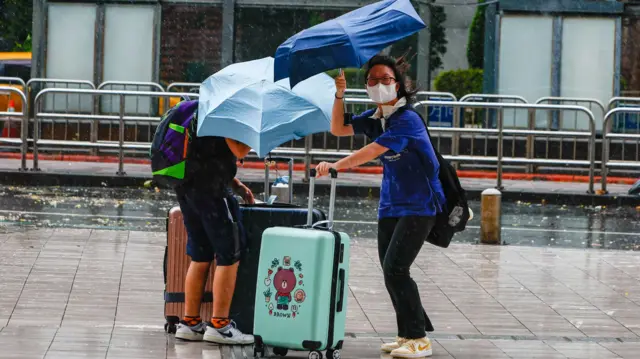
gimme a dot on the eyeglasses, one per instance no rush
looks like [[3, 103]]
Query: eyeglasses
[[372, 81]]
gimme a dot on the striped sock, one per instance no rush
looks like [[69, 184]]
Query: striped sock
[[220, 323], [191, 321]]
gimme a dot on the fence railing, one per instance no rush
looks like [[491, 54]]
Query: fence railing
[[184, 85], [608, 135], [325, 145], [13, 80], [530, 134], [562, 121], [121, 119], [23, 118]]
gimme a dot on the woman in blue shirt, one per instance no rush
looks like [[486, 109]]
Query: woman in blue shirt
[[410, 196]]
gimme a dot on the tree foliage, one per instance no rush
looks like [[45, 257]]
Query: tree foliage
[[438, 37], [15, 24], [475, 44]]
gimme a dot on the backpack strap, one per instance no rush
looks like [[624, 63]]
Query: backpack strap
[[409, 107]]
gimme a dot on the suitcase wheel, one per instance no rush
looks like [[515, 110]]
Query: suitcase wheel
[[315, 355], [170, 328], [333, 354], [257, 352], [280, 351], [258, 347]]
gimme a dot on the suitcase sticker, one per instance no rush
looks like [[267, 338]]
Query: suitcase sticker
[[284, 293]]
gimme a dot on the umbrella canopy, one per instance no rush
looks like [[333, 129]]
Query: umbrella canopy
[[347, 41], [243, 103]]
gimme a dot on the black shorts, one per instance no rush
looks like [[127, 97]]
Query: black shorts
[[214, 227]]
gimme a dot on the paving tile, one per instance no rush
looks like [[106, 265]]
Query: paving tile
[[468, 349], [522, 349], [91, 293], [583, 350], [624, 350]]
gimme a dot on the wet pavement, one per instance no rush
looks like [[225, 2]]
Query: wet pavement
[[88, 293], [535, 224], [72, 174]]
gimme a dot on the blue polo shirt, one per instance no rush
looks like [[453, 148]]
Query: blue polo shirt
[[410, 183]]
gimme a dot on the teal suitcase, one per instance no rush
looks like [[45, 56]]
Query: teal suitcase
[[301, 293]]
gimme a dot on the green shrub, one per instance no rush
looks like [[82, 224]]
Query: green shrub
[[460, 82]]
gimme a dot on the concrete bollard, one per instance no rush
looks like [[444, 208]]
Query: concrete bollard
[[490, 217]]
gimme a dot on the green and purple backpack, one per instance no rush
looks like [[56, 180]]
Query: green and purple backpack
[[170, 147]]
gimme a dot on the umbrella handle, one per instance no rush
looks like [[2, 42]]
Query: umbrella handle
[[340, 72]]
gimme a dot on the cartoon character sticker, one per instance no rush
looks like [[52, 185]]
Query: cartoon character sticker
[[285, 282], [286, 299], [299, 296]]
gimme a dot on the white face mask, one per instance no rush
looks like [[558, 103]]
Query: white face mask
[[382, 93]]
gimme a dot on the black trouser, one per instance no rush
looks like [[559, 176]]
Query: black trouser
[[399, 242]]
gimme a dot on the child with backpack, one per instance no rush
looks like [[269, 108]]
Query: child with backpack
[[202, 172]]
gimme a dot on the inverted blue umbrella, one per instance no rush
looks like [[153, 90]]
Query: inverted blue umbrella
[[242, 102], [347, 41]]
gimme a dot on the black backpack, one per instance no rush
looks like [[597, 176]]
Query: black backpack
[[455, 216]]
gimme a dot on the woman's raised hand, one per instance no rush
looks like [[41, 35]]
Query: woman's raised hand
[[341, 84]]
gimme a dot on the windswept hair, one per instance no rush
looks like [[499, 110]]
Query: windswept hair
[[400, 67]]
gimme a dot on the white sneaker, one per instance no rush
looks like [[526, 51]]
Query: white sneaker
[[191, 333], [229, 335], [414, 348], [389, 347]]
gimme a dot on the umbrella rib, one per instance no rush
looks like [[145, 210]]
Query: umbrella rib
[[351, 41]]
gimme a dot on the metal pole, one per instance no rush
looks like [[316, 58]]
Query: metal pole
[[500, 138], [36, 131], [24, 146], [530, 138], [291, 180], [312, 188], [592, 154], [455, 139], [121, 138], [605, 152], [267, 188], [307, 157]]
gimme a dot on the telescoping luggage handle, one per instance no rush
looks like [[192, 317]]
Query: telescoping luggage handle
[[332, 198]]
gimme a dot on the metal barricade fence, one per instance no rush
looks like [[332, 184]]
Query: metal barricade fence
[[486, 118], [184, 86], [33, 87], [609, 134], [625, 122], [67, 102], [12, 81], [500, 133], [141, 106], [559, 119], [23, 118], [134, 105], [359, 104], [121, 119]]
